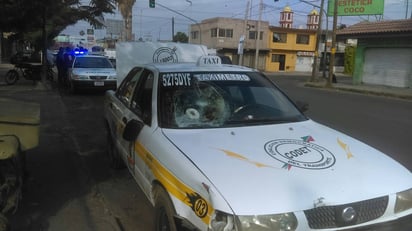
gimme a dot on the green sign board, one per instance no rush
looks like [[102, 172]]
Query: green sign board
[[356, 7]]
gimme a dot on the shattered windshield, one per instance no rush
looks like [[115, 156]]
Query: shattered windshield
[[204, 100]]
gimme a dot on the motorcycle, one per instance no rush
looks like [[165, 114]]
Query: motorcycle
[[28, 71], [19, 132]]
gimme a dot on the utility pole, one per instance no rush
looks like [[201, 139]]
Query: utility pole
[[258, 34], [173, 28], [333, 49], [191, 19], [242, 39], [315, 67], [326, 33]]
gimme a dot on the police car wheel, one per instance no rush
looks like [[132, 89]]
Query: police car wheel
[[115, 160], [164, 211]]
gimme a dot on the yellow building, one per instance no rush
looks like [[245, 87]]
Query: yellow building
[[290, 49], [282, 48]]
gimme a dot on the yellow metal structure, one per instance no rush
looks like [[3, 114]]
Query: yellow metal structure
[[20, 119]]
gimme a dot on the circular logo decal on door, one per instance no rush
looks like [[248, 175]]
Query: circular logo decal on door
[[301, 154]]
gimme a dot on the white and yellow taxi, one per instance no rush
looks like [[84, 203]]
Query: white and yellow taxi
[[220, 148]]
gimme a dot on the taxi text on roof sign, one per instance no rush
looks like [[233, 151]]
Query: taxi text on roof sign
[[209, 60]]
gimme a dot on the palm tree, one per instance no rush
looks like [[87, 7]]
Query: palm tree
[[126, 9]]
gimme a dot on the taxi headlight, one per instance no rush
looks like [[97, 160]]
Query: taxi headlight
[[112, 77], [403, 201], [221, 222], [277, 222]]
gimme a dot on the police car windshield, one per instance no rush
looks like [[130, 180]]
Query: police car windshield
[[91, 62], [204, 100]]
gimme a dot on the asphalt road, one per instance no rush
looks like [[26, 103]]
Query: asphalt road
[[382, 122], [71, 186]]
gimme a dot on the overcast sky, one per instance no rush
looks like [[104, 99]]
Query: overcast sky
[[156, 23]]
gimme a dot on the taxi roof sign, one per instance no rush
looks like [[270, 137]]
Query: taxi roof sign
[[209, 60]]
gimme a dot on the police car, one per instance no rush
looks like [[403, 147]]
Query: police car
[[92, 72], [221, 148]]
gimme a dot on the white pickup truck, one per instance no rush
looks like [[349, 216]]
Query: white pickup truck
[[221, 148]]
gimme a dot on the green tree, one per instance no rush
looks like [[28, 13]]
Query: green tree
[[45, 19], [56, 15], [349, 63], [180, 37]]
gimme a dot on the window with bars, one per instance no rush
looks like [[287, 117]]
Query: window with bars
[[225, 33], [195, 34], [279, 37], [275, 58], [252, 35], [302, 39], [213, 32]]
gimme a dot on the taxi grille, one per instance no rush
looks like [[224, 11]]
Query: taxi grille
[[98, 77], [332, 216]]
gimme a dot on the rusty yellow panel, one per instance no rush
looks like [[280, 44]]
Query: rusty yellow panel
[[21, 119]]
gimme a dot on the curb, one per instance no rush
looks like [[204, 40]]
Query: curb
[[361, 89]]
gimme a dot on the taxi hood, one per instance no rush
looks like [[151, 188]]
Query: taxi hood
[[289, 167]]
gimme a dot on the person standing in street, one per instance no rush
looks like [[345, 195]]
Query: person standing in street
[[60, 65], [68, 60]]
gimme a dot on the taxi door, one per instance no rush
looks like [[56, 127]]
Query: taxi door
[[140, 109], [118, 109]]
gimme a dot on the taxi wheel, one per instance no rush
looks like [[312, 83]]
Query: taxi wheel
[[164, 211], [4, 223], [115, 160]]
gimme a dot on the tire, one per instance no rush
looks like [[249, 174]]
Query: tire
[[11, 178], [11, 77], [164, 211], [115, 160], [4, 223]]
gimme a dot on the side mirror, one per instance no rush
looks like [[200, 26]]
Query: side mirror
[[132, 130], [302, 106]]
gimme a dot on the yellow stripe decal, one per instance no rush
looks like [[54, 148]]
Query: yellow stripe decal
[[173, 185]]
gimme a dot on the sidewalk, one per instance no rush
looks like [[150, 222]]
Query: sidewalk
[[344, 83]]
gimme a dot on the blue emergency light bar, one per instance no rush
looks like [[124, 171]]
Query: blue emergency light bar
[[80, 51]]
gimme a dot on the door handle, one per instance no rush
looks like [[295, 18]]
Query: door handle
[[114, 106]]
